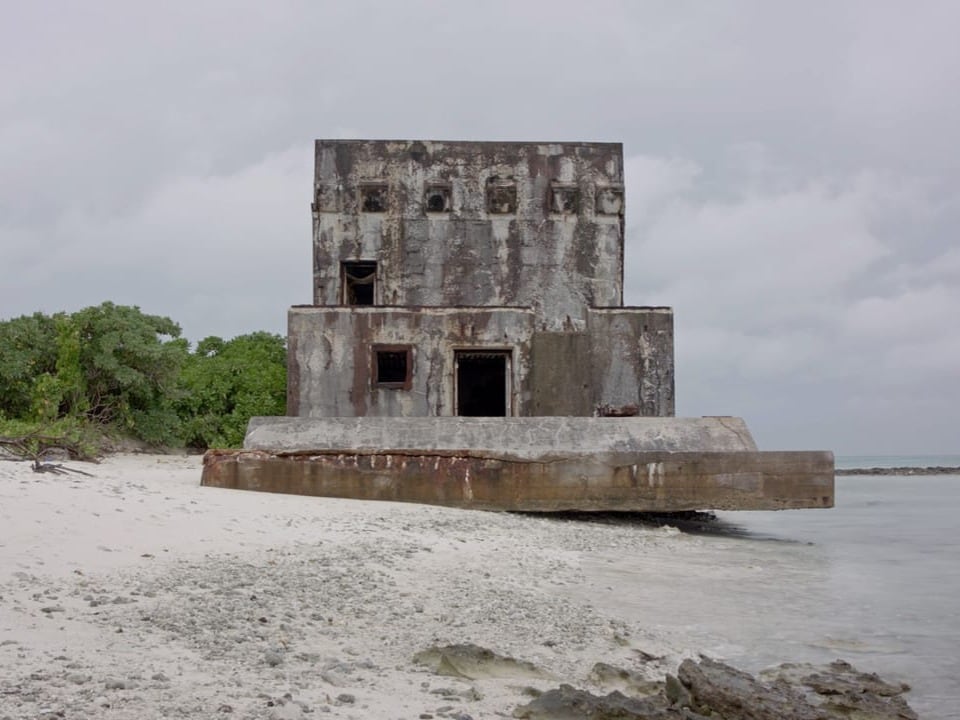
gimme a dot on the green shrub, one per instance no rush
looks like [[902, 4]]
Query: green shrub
[[225, 383], [28, 350], [118, 369]]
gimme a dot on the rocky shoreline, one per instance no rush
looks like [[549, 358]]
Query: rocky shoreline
[[701, 689], [933, 470]]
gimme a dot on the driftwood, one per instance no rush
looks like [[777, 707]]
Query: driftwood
[[56, 469], [35, 447]]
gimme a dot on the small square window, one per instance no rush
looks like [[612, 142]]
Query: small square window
[[564, 199], [501, 196], [373, 197], [392, 366], [437, 199], [609, 201]]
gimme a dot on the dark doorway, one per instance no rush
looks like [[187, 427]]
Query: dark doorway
[[359, 282], [482, 383]]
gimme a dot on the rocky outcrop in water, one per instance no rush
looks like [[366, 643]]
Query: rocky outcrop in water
[[710, 689], [932, 470]]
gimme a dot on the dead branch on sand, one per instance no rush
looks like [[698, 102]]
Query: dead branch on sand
[[35, 447]]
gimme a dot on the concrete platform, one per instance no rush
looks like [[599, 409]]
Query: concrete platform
[[526, 464]]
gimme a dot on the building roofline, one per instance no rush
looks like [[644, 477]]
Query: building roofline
[[368, 308], [354, 141]]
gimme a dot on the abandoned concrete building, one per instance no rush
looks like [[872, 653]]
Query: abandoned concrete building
[[475, 279], [468, 345]]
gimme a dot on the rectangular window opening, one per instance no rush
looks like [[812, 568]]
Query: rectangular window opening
[[392, 366], [373, 197], [359, 282], [437, 199], [501, 196], [564, 198]]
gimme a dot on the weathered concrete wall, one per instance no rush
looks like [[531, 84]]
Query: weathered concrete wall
[[521, 439], [624, 357], [631, 361], [560, 384], [651, 482], [329, 357], [509, 246], [558, 248]]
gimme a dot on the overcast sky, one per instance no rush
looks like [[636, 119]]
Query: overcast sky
[[793, 173]]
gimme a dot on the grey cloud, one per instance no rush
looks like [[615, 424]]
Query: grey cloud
[[791, 173]]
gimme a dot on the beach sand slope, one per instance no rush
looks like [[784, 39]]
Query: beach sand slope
[[136, 593]]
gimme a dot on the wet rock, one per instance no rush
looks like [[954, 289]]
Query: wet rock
[[718, 688], [676, 693], [795, 693], [843, 691], [568, 703], [711, 689], [473, 662]]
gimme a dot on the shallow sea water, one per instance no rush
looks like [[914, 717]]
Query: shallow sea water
[[875, 581]]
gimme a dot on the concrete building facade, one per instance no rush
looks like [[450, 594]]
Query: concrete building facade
[[473, 279], [468, 346]]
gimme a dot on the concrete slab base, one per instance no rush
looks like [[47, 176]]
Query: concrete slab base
[[526, 464]]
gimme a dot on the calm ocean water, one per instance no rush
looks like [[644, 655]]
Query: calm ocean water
[[875, 581]]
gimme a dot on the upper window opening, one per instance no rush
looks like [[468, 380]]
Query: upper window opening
[[609, 201], [501, 196], [392, 366], [359, 282], [437, 198], [564, 199], [373, 198]]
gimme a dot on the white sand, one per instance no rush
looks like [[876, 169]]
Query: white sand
[[139, 594]]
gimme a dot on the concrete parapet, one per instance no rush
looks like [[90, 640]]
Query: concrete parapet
[[523, 439]]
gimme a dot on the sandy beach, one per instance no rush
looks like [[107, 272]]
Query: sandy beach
[[136, 593]]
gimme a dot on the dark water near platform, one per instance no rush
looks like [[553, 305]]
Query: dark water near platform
[[875, 581]]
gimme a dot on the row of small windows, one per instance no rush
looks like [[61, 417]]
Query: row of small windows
[[501, 198]]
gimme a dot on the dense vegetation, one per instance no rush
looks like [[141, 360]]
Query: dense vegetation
[[110, 372]]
